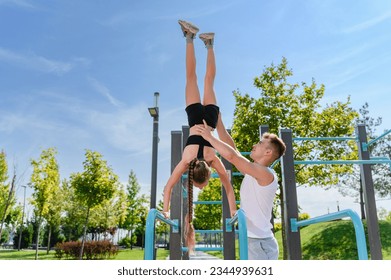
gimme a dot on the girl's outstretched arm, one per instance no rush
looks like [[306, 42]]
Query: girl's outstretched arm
[[174, 178], [223, 133]]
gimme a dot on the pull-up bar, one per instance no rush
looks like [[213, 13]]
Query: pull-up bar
[[358, 227], [366, 145]]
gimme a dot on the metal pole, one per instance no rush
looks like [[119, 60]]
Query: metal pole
[[154, 152], [21, 225], [290, 205], [185, 202], [369, 196], [176, 197], [228, 237]]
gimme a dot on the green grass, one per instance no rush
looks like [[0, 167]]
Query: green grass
[[125, 254], [25, 255], [138, 254], [334, 240]]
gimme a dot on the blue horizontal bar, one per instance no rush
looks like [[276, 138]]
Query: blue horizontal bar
[[368, 161], [357, 223], [378, 138], [324, 138], [204, 249], [208, 230], [208, 202], [215, 175], [211, 202]]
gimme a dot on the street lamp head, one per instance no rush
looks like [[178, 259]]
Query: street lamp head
[[153, 111]]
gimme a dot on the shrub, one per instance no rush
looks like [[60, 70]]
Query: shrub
[[277, 227], [304, 216], [125, 242], [93, 250]]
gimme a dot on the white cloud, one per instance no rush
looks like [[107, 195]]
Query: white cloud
[[368, 24], [125, 129], [19, 3], [103, 90], [17, 121], [35, 62]]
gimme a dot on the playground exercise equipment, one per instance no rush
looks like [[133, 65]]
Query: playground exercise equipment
[[293, 243], [178, 211], [153, 215], [358, 227], [290, 193]]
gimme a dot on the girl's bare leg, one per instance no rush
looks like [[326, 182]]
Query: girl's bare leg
[[191, 91], [209, 93]]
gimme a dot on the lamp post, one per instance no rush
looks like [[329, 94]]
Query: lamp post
[[154, 112], [21, 225]]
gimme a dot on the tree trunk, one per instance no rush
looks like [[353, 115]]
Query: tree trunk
[[49, 237], [131, 239], [84, 235], [37, 239]]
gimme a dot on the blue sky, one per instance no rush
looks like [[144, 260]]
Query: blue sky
[[79, 75]]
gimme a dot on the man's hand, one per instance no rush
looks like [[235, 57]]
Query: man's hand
[[204, 130]]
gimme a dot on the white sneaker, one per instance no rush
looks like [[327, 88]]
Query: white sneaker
[[207, 38], [188, 28]]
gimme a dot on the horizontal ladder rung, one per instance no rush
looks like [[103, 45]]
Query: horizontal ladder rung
[[204, 249]]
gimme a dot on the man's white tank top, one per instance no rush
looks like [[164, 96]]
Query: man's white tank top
[[257, 203]]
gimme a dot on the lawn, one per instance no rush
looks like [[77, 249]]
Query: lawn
[[331, 240], [125, 254]]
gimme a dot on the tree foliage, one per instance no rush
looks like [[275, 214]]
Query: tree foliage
[[135, 208], [350, 184], [4, 185], [282, 104], [6, 193], [94, 186], [106, 217], [73, 213], [209, 216], [45, 181]]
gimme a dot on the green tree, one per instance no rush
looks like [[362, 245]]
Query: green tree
[[382, 172], [296, 106], [350, 184], [7, 191], [139, 232], [53, 216], [106, 217], [45, 181], [209, 216], [135, 207], [13, 219], [94, 186], [27, 236], [73, 213]]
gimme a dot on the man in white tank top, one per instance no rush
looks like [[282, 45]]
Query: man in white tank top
[[258, 187]]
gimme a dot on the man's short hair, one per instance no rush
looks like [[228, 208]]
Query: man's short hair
[[277, 144]]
